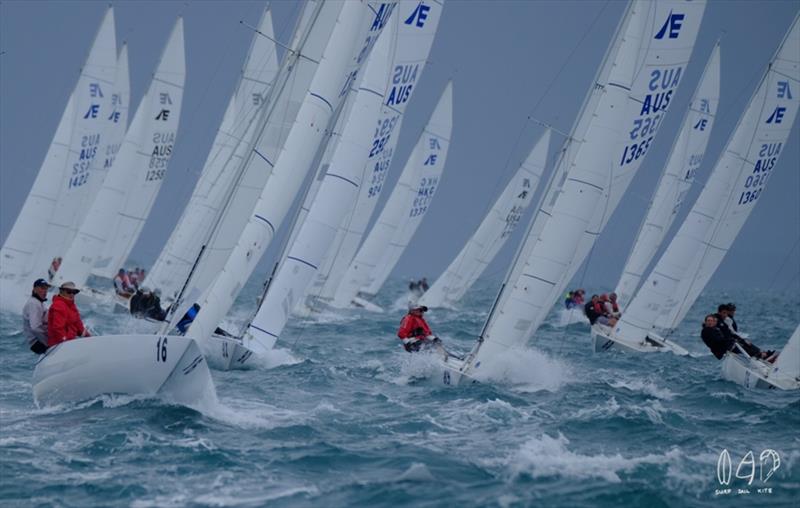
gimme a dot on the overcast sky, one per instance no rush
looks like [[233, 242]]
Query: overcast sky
[[509, 61]]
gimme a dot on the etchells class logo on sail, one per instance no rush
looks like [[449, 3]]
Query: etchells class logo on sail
[[419, 15], [671, 27], [750, 477]]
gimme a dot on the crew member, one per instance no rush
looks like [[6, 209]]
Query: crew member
[[719, 342], [414, 330], [34, 317], [63, 320]]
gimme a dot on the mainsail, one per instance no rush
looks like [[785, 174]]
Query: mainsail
[[147, 164], [137, 171], [493, 232], [337, 189], [405, 208], [416, 24], [734, 187], [632, 91], [679, 173], [46, 222], [231, 145], [353, 29]]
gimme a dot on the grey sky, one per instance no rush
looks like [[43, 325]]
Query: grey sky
[[508, 60]]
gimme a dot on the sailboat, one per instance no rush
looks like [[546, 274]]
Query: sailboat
[[404, 211], [730, 194], [640, 71], [752, 373], [46, 223], [350, 29], [217, 180], [416, 24], [125, 199], [491, 235]]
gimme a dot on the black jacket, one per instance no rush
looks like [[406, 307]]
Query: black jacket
[[716, 341]]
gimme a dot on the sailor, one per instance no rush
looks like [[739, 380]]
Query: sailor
[[413, 286], [577, 296], [730, 319], [592, 309], [54, 266], [154, 310], [414, 330], [720, 343], [423, 284], [34, 317], [122, 284], [63, 320], [612, 307], [136, 303], [569, 300]]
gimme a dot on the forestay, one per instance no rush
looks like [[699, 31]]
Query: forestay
[[405, 208], [231, 145], [635, 83], [139, 165], [733, 189], [57, 198], [357, 26], [416, 24], [679, 174], [147, 163], [492, 234], [337, 190]]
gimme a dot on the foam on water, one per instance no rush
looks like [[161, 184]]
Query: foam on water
[[527, 370]]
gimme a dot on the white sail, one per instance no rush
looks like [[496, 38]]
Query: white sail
[[788, 363], [416, 24], [405, 208], [231, 145], [732, 190], [356, 27], [276, 117], [148, 163], [632, 89], [138, 168], [679, 174], [337, 189], [114, 133], [47, 219], [493, 232]]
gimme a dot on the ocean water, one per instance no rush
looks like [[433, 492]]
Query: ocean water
[[340, 415]]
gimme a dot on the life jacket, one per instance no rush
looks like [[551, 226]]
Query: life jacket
[[598, 308], [410, 325]]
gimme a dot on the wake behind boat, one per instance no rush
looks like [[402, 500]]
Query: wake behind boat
[[168, 367]]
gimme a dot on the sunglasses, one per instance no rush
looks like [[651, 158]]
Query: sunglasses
[[71, 291]]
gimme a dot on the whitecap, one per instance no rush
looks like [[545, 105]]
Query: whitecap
[[646, 387], [527, 370], [548, 456]]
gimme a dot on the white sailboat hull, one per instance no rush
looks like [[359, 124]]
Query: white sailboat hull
[[226, 353], [755, 374], [604, 339], [168, 367]]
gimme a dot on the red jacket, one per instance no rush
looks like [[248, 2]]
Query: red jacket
[[410, 323], [63, 321]]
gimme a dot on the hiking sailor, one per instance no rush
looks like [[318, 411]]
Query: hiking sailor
[[414, 330], [63, 320], [34, 317], [54, 266], [719, 342]]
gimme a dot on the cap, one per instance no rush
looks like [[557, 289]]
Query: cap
[[41, 283], [414, 306]]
